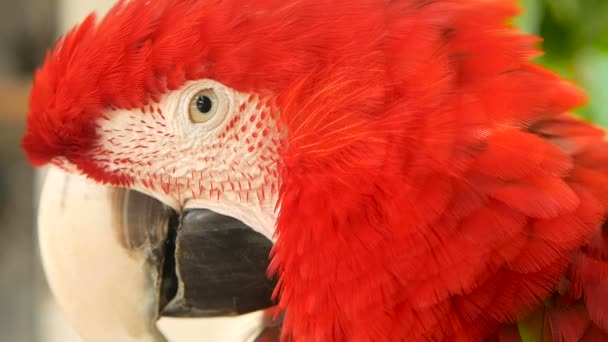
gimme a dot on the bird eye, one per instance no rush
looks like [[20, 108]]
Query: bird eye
[[203, 106]]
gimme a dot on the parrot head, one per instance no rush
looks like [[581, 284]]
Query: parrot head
[[151, 106], [211, 104], [195, 101], [355, 136]]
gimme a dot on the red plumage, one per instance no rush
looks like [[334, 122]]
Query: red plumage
[[433, 184]]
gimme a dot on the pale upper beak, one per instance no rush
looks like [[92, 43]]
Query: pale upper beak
[[117, 261]]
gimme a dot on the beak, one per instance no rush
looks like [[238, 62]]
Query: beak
[[118, 261]]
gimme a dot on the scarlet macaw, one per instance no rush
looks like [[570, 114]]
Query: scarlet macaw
[[419, 177]]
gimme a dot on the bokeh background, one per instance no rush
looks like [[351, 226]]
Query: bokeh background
[[575, 36]]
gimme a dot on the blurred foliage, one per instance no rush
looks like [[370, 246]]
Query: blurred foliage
[[575, 41]]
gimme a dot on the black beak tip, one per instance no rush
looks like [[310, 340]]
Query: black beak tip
[[214, 265]]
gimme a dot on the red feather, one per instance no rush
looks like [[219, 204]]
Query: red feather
[[466, 110]]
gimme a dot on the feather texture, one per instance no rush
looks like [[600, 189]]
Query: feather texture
[[464, 188]]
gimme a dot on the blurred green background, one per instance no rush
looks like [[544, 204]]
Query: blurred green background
[[575, 34]]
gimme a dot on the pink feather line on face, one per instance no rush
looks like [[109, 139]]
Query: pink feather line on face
[[240, 160]]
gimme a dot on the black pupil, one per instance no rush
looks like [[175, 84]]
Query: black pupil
[[204, 104]]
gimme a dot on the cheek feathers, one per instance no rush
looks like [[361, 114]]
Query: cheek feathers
[[132, 138], [239, 160], [254, 126]]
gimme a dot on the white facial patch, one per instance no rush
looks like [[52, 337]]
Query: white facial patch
[[227, 164]]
